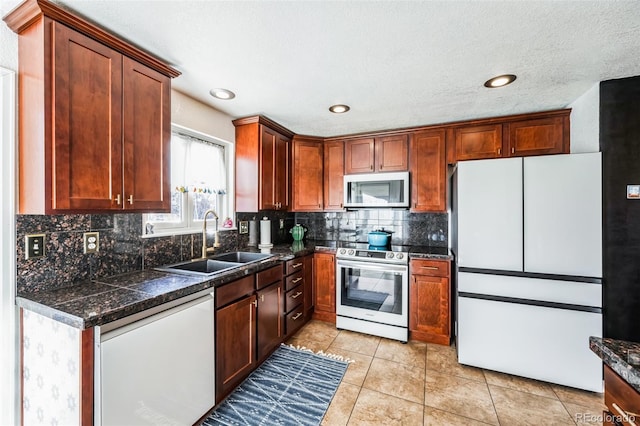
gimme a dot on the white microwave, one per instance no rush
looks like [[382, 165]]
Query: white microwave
[[376, 190]]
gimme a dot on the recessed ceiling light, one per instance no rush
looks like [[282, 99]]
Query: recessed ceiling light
[[222, 94], [339, 109], [499, 81]]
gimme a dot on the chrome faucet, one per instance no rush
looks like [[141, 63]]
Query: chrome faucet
[[216, 242]]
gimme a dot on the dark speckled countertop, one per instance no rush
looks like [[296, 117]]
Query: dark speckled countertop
[[614, 353], [100, 301]]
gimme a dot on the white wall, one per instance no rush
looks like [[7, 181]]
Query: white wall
[[585, 121], [8, 39]]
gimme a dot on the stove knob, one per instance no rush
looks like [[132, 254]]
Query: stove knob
[[351, 252], [399, 256], [390, 255], [343, 251]]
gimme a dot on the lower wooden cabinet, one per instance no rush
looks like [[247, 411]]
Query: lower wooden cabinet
[[269, 317], [235, 343], [309, 289], [429, 301], [622, 401], [324, 265]]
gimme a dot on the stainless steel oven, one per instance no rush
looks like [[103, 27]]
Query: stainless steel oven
[[372, 292]]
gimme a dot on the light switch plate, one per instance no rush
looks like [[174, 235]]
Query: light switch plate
[[91, 242], [281, 223], [34, 246], [243, 227]]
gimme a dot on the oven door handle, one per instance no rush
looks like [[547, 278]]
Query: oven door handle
[[373, 267]]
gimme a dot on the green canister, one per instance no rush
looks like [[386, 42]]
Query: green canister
[[297, 232]]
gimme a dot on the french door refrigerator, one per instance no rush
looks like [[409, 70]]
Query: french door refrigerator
[[529, 256]]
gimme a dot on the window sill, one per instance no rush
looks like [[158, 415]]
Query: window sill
[[171, 233]]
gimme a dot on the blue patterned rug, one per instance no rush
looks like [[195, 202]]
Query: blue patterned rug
[[292, 387]]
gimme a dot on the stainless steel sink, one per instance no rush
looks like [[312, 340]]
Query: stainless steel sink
[[242, 257], [216, 264], [200, 267]]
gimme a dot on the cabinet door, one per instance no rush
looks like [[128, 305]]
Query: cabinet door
[[333, 175], [325, 283], [270, 317], [281, 172], [477, 142], [359, 155], [147, 134], [268, 140], [309, 294], [307, 176], [429, 308], [392, 153], [235, 344], [536, 137], [428, 172], [87, 136]]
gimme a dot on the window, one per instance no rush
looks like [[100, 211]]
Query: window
[[199, 182]]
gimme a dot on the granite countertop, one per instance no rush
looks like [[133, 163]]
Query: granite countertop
[[103, 300], [100, 301], [614, 354]]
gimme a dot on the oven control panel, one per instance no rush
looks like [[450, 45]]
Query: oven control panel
[[373, 255]]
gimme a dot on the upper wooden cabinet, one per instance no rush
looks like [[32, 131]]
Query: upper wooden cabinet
[[515, 136], [262, 165], [94, 117], [306, 171], [428, 171], [380, 154], [333, 175], [476, 142]]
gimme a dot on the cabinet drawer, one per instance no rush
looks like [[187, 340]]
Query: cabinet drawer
[[293, 298], [271, 275], [620, 397], [293, 265], [234, 290], [295, 319], [294, 280], [435, 268]]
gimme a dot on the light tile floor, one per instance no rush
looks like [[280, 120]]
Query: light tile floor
[[391, 383]]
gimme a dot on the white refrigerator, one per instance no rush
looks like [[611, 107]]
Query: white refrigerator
[[529, 257]]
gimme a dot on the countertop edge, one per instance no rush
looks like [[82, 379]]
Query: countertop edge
[[629, 373]]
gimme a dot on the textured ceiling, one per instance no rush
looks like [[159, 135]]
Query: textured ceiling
[[397, 64]]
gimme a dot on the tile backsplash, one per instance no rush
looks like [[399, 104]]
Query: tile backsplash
[[122, 248]]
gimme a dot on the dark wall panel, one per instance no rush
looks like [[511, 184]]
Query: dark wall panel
[[620, 146]]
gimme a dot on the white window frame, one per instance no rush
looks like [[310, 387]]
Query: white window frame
[[189, 225]]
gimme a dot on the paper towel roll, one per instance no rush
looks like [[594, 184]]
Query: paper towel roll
[[265, 231], [253, 233]]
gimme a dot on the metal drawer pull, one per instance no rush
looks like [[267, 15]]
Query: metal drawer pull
[[295, 296], [625, 415], [296, 265], [130, 199], [296, 280], [429, 267], [296, 316], [118, 199]]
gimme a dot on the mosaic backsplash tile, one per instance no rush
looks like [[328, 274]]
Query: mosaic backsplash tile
[[122, 249]]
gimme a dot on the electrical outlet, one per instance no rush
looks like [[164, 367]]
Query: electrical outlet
[[281, 223], [91, 242], [243, 227], [34, 246]]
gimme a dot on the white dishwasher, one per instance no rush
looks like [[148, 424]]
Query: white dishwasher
[[158, 369]]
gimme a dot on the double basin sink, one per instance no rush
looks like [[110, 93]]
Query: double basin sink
[[216, 264]]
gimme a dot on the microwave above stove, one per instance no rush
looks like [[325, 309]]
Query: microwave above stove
[[376, 190]]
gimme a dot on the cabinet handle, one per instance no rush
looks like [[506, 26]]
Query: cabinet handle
[[499, 151], [626, 416], [255, 303], [118, 199], [296, 280], [319, 206], [295, 296], [371, 167], [429, 267], [296, 265], [513, 150], [380, 166], [340, 205], [262, 297], [296, 316], [130, 199]]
